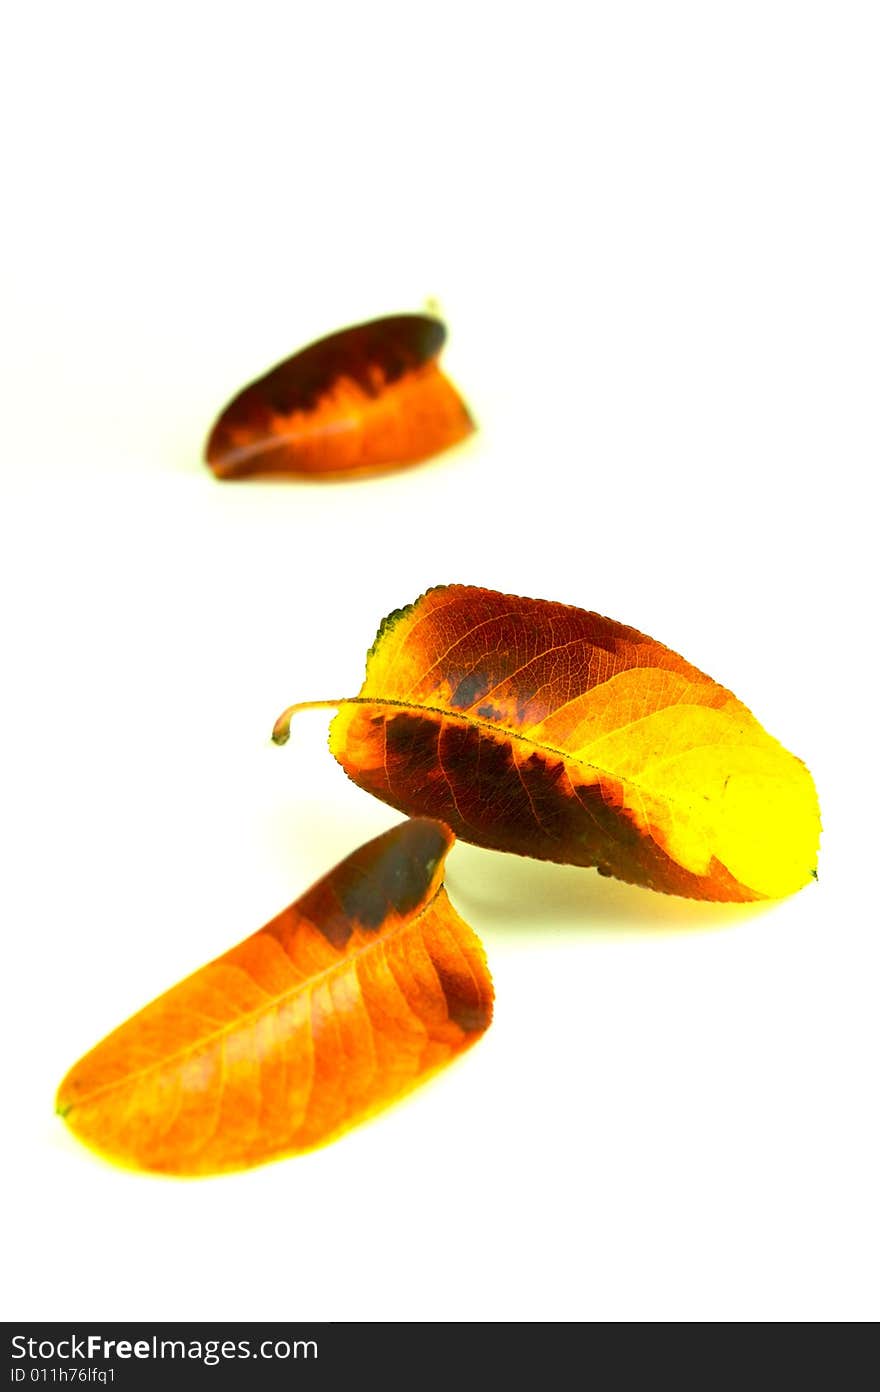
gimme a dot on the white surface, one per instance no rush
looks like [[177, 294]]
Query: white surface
[[653, 231]]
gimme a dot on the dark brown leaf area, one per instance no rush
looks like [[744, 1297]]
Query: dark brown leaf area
[[382, 351], [377, 880], [524, 802]]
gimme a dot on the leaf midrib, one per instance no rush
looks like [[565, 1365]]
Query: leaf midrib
[[507, 732], [241, 1021]]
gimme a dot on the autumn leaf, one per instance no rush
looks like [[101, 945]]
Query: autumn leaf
[[341, 1004], [539, 728], [368, 398]]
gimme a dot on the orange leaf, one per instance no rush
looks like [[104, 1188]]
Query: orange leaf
[[368, 398], [538, 728], [340, 1005]]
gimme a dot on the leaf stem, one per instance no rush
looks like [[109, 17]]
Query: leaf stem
[[281, 728]]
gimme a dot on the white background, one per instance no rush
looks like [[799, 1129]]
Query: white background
[[653, 231]]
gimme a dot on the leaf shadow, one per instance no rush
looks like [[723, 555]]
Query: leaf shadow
[[512, 896], [519, 896]]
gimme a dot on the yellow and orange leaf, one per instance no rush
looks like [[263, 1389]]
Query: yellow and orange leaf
[[345, 1001], [539, 728], [368, 398]]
